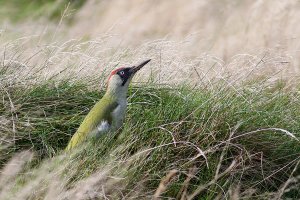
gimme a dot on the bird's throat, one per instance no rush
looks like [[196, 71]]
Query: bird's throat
[[118, 95]]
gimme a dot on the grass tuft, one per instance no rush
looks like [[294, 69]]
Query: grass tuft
[[220, 141]]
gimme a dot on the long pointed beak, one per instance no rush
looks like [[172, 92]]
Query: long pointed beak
[[134, 69]]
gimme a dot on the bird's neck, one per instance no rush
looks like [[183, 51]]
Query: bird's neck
[[117, 94]]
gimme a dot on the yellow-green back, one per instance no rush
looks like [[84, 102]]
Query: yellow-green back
[[100, 112]]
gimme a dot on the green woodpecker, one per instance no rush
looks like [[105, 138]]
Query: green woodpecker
[[108, 113]]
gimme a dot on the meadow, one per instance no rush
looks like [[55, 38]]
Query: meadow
[[198, 125]]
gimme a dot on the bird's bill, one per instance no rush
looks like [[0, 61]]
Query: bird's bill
[[134, 69]]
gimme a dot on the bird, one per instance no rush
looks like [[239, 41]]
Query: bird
[[108, 113]]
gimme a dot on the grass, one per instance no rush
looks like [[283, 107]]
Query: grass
[[231, 132], [16, 10], [220, 140]]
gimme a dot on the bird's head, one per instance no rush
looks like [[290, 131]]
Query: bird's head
[[120, 78]]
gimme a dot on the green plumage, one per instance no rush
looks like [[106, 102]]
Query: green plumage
[[109, 112], [102, 111]]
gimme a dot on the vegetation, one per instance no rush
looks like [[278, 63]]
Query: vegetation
[[216, 117], [211, 142], [17, 10]]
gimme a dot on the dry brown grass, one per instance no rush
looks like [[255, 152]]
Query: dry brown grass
[[211, 37], [220, 28]]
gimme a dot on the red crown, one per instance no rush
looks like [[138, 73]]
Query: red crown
[[114, 72]]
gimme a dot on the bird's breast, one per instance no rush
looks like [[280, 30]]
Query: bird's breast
[[118, 115]]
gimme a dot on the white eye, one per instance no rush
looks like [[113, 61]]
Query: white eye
[[121, 73]]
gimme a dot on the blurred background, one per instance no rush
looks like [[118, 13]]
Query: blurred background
[[224, 28], [229, 34], [210, 33]]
